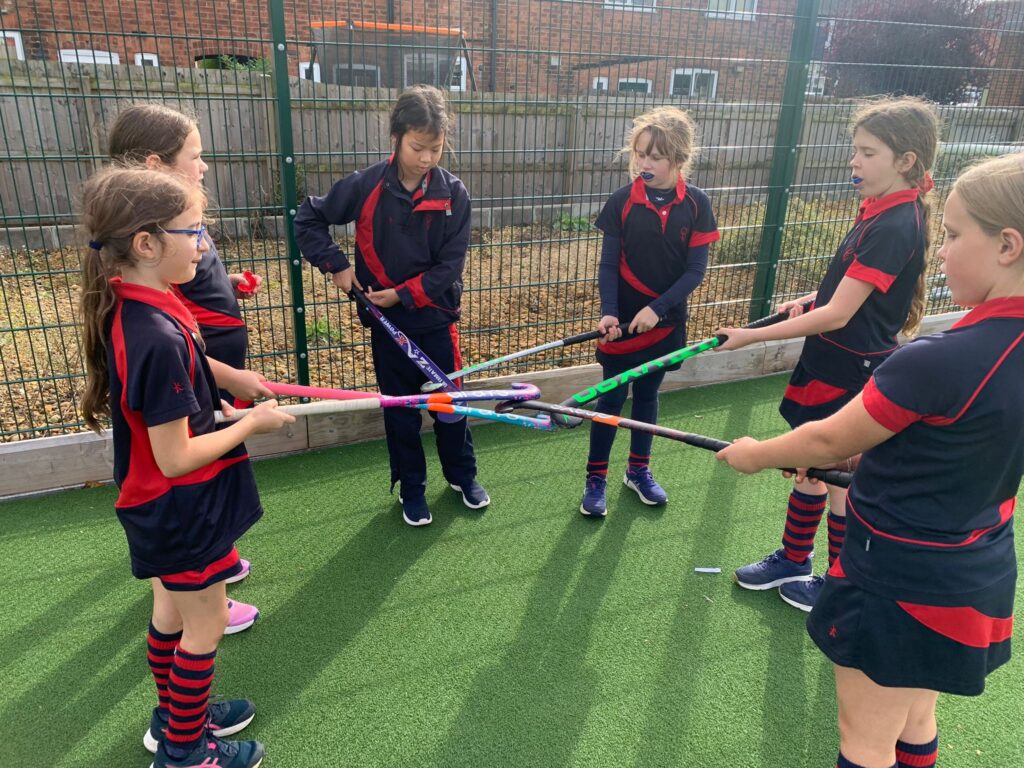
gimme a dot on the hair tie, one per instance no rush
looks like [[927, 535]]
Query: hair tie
[[95, 245], [927, 183]]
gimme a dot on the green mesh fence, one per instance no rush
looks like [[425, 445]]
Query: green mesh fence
[[293, 95]]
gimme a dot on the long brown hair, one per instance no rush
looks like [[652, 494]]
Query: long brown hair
[[907, 124], [117, 203], [148, 129], [672, 133]]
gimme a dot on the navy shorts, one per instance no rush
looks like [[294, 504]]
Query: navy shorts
[[949, 648], [810, 399], [220, 569]]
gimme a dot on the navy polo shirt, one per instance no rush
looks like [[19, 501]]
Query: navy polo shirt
[[885, 248], [210, 297], [158, 374], [655, 243], [930, 510], [413, 242]]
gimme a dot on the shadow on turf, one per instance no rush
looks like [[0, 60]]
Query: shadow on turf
[[531, 709]]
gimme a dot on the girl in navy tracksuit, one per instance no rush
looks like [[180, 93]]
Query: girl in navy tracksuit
[[186, 489], [874, 287], [920, 599], [412, 231], [166, 139], [654, 255]]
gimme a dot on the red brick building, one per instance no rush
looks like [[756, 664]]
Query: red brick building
[[710, 50]]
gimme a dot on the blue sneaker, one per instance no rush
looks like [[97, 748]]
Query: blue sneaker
[[774, 570], [212, 752], [473, 494], [802, 594], [642, 481], [224, 718], [593, 504], [415, 511]]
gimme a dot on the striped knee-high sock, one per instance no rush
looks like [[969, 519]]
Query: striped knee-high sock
[[160, 654], [599, 468], [917, 755], [189, 689], [802, 518], [836, 534], [636, 461], [843, 762]]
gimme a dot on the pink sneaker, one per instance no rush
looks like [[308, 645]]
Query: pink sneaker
[[241, 574], [241, 616]]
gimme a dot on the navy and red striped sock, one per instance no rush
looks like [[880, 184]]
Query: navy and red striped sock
[[843, 762], [836, 534], [917, 755], [189, 689], [636, 461], [599, 468], [160, 653], [803, 516]]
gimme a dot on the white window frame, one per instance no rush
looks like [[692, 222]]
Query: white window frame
[[423, 56], [692, 72], [358, 66], [463, 84], [88, 56], [19, 45], [634, 81], [304, 65], [731, 13], [599, 83], [816, 80], [141, 59], [631, 5]]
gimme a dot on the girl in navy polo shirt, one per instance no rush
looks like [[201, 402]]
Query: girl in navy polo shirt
[[186, 486], [165, 139], [654, 254], [412, 231], [920, 600], [873, 288]]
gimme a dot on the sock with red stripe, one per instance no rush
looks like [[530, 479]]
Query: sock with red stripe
[[638, 462], [843, 762], [160, 654], [189, 689], [836, 534], [803, 516], [917, 755], [599, 468]]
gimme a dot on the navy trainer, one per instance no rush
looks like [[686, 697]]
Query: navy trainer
[[802, 594], [224, 718], [593, 504], [473, 494], [212, 752], [642, 481], [774, 570], [415, 511]]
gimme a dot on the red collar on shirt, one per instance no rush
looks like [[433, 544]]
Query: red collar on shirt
[[165, 301], [872, 206], [1011, 306], [638, 194]]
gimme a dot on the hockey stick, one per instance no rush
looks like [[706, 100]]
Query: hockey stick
[[411, 350], [373, 400], [672, 358], [830, 476], [577, 339]]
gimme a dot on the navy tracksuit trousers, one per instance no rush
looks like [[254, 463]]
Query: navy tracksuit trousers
[[398, 375]]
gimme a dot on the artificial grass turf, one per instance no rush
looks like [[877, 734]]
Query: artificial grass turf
[[524, 635]]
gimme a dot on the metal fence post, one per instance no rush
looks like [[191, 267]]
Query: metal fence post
[[787, 137], [289, 202]]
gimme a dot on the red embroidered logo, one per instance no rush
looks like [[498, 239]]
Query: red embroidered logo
[[178, 389], [848, 254], [684, 233], [833, 632]]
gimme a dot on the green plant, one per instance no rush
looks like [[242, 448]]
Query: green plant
[[320, 330], [568, 223], [262, 65]]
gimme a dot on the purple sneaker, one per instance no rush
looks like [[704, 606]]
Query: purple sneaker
[[593, 504], [802, 594], [642, 481]]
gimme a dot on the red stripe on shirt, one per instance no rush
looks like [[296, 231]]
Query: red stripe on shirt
[[364, 237], [876, 277], [630, 277], [703, 238], [893, 417], [962, 624], [636, 343]]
